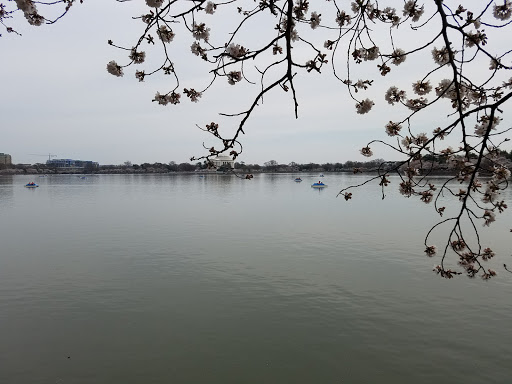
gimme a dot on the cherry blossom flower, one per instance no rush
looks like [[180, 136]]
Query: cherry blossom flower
[[431, 250], [140, 75], [364, 106], [458, 245], [503, 12], [406, 188], [234, 77], [277, 49], [398, 56], [29, 10], [161, 99], [394, 95], [416, 104], [165, 34], [372, 53], [315, 20], [174, 98], [412, 10], [196, 49], [236, 51], [421, 87], [27, 6], [301, 8], [210, 8], [192, 94], [137, 57], [114, 69], [34, 19], [389, 14], [361, 54], [484, 126], [489, 217], [148, 18], [407, 142], [366, 151], [487, 254], [426, 197], [393, 129], [200, 31], [154, 3], [421, 138], [444, 88], [343, 19], [478, 38], [487, 275], [441, 56], [490, 194], [439, 133], [495, 64], [500, 172]]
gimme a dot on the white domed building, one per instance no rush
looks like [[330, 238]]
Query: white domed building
[[223, 161]]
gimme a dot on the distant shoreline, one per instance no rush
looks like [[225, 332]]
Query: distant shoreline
[[202, 172]]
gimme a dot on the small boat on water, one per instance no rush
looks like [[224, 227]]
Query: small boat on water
[[298, 179], [31, 185], [318, 185], [321, 175]]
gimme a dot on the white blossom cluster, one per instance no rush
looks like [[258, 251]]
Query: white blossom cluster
[[236, 51], [413, 10], [197, 49], [315, 20], [154, 3], [234, 77], [114, 69], [210, 8], [165, 34], [422, 87], [394, 95], [366, 54], [364, 106], [441, 56], [398, 56], [136, 56], [485, 125], [343, 19], [200, 31], [30, 12], [503, 12], [172, 98]]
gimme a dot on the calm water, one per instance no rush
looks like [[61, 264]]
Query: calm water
[[188, 279]]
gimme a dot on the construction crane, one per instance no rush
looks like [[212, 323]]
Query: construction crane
[[49, 155]]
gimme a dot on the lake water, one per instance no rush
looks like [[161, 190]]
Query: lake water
[[188, 279]]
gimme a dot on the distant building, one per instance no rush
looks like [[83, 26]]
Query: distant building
[[223, 161], [5, 159], [70, 164]]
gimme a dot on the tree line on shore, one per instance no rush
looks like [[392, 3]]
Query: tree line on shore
[[440, 164]]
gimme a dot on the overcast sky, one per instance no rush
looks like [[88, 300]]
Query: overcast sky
[[57, 98]]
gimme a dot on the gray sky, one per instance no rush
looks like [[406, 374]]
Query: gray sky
[[58, 98]]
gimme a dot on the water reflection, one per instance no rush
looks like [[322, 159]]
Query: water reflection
[[6, 190], [146, 277]]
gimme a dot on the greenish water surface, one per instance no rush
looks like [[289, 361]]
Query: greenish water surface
[[188, 279]]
